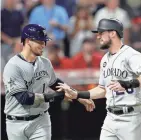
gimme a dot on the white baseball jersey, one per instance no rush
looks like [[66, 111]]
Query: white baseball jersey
[[20, 75], [124, 65]]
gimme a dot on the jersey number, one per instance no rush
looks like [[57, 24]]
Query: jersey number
[[43, 88], [129, 91]]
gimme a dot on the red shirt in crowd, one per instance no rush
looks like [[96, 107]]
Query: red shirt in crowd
[[79, 61], [63, 63]]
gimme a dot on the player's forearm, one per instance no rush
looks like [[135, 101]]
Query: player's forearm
[[29, 98], [51, 97], [134, 83], [97, 93]]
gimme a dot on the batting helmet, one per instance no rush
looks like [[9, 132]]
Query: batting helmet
[[35, 32], [110, 25]]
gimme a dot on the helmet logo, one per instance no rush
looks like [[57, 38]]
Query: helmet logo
[[32, 29], [45, 33]]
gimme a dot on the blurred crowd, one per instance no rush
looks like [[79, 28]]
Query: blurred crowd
[[69, 24]]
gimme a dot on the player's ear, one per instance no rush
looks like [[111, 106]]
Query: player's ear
[[27, 40], [113, 34]]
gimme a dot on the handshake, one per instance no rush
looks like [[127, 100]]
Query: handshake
[[73, 94], [69, 92]]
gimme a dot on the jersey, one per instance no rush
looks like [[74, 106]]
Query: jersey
[[20, 75], [124, 65]]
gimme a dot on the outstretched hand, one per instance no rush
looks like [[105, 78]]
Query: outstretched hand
[[115, 86], [88, 103], [70, 93]]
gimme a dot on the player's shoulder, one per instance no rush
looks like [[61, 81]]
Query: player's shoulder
[[43, 59], [12, 64], [131, 51], [12, 60]]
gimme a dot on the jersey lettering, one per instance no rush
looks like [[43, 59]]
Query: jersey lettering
[[115, 72]]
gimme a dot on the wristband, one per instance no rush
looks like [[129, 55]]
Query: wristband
[[56, 96], [130, 84], [83, 94]]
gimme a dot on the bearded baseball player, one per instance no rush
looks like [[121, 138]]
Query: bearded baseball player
[[119, 82], [27, 78]]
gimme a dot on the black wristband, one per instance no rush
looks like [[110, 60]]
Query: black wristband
[[83, 94], [56, 96], [130, 84]]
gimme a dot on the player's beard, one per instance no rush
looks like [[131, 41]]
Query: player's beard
[[106, 45]]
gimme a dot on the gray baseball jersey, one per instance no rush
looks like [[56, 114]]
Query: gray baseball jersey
[[124, 65], [20, 75]]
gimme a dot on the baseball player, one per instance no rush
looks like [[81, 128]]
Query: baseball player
[[119, 82], [27, 78]]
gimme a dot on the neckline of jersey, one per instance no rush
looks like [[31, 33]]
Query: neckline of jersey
[[21, 56], [116, 52]]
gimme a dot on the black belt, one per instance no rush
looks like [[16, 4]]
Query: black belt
[[120, 111], [29, 118]]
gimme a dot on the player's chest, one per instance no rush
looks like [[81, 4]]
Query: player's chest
[[115, 67], [36, 75]]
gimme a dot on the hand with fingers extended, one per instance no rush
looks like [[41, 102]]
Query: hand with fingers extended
[[115, 86], [69, 92], [88, 103]]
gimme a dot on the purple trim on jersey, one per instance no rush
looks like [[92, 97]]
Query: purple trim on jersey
[[25, 97], [20, 56]]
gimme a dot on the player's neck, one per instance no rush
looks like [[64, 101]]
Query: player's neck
[[115, 47], [29, 57]]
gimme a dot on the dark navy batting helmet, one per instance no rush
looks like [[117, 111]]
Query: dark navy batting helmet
[[110, 25], [34, 32]]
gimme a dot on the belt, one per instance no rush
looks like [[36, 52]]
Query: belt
[[120, 111], [29, 118]]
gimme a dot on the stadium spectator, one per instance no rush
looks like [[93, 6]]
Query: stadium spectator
[[112, 10], [30, 5], [69, 5], [51, 16], [58, 61], [88, 57], [11, 25], [80, 25], [136, 30]]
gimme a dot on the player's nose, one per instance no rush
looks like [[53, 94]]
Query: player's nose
[[98, 36]]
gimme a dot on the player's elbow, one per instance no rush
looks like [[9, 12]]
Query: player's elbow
[[25, 98]]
